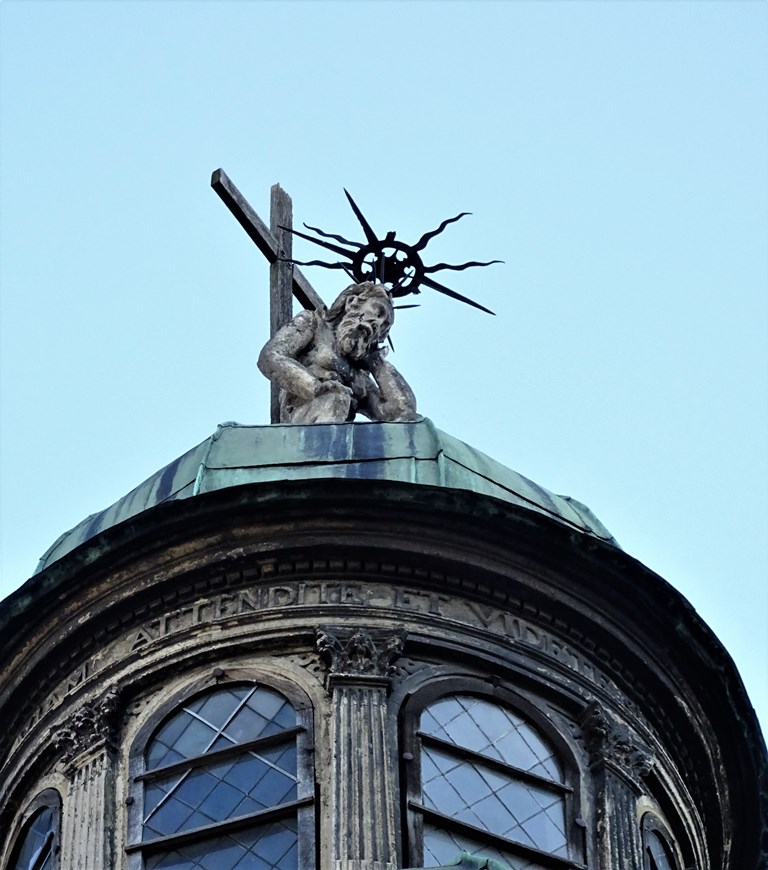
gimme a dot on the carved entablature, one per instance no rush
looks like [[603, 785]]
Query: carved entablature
[[91, 725], [359, 656], [611, 744]]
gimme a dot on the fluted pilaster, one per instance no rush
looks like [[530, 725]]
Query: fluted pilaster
[[618, 762], [360, 663], [88, 824], [86, 750]]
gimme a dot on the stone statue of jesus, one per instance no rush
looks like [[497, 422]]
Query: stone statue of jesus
[[330, 364]]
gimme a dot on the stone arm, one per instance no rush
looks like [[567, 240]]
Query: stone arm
[[277, 360], [390, 399]]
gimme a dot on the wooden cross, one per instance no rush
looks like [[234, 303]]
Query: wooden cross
[[275, 242]]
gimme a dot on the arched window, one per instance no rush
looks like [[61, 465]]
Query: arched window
[[490, 784], [226, 783], [37, 843], [658, 852]]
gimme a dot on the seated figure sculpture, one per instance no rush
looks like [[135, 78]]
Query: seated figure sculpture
[[330, 365]]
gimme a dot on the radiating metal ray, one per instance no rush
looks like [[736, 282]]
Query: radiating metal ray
[[441, 288], [422, 242], [320, 263], [402, 266], [460, 268], [369, 233], [333, 236], [335, 248]]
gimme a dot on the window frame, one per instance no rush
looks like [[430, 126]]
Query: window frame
[[651, 823], [302, 809], [414, 811], [48, 799]]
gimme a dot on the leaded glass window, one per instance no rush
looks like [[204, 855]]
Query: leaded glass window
[[37, 843], [223, 784], [489, 784], [658, 853]]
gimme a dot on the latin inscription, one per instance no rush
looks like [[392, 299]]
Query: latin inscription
[[239, 605], [87, 669], [495, 621]]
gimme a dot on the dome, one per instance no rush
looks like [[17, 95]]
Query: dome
[[367, 577], [417, 453]]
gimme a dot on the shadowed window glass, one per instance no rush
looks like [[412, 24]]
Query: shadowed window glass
[[222, 784], [490, 784], [657, 852], [36, 848]]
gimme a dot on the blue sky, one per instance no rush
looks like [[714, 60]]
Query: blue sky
[[614, 154]]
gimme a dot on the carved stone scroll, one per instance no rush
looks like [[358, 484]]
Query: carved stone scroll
[[618, 762], [360, 664]]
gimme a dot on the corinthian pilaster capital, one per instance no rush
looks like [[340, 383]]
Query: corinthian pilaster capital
[[610, 742], [359, 655], [89, 725]]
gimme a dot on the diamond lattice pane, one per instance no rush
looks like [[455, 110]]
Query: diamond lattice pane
[[441, 848], [271, 847], [496, 802], [217, 720], [493, 731], [246, 784]]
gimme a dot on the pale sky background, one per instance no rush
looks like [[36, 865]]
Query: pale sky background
[[614, 154]]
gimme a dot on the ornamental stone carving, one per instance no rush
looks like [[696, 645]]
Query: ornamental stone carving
[[359, 655], [360, 666], [90, 724], [330, 364], [609, 742]]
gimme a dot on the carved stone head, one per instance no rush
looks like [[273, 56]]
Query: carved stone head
[[361, 316]]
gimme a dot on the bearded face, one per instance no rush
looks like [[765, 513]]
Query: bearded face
[[364, 324]]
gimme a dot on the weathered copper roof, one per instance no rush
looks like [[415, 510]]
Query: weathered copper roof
[[417, 453]]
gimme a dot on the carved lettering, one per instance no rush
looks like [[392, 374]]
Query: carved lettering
[[76, 678], [434, 603], [248, 602], [486, 615], [286, 595], [282, 596]]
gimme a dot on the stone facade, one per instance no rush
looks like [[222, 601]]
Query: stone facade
[[363, 603]]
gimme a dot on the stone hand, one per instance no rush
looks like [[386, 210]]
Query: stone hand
[[322, 387]]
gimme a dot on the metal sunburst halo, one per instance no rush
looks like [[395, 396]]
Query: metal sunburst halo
[[388, 260]]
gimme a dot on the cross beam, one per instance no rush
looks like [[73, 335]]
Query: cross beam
[[262, 236], [274, 242]]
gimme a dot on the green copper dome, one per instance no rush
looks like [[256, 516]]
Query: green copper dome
[[416, 453]]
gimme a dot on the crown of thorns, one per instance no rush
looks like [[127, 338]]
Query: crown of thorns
[[388, 261]]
